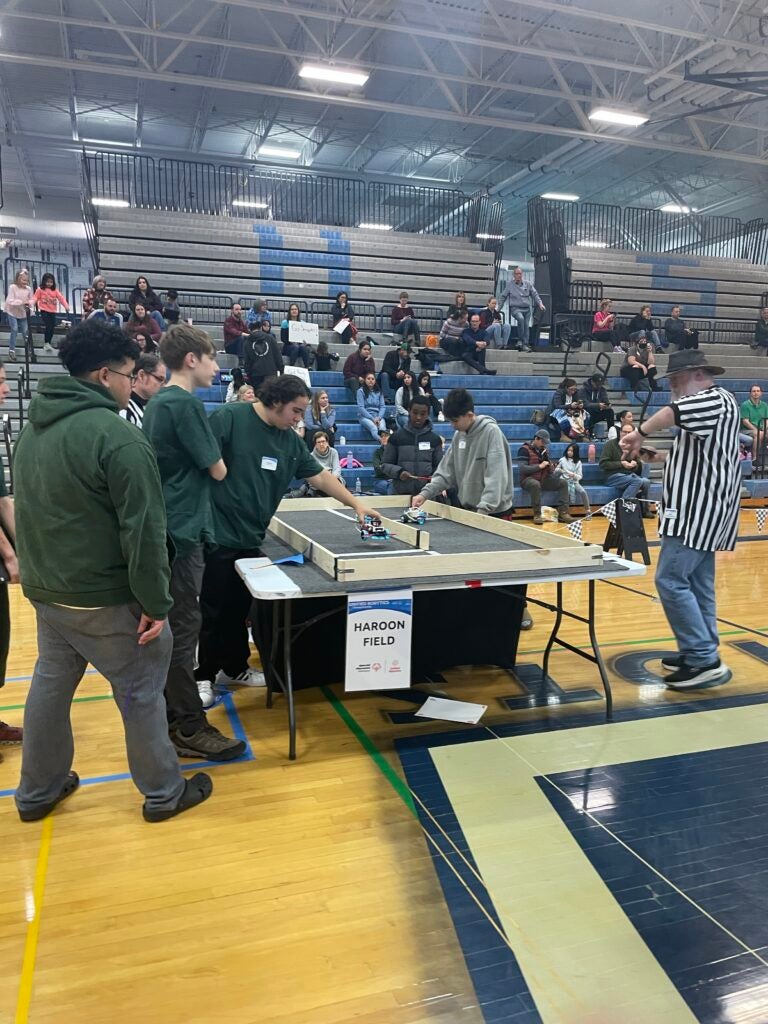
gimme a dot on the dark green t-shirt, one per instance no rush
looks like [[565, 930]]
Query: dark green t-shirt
[[261, 462], [3, 488], [177, 426]]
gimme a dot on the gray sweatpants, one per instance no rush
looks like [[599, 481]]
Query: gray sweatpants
[[67, 640]]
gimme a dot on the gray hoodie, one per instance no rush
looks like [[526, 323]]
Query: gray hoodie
[[329, 461], [478, 465]]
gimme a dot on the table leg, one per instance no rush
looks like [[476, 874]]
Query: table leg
[[598, 656], [288, 681], [553, 635], [268, 669]]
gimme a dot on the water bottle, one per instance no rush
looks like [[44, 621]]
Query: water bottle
[[342, 440], [349, 458], [591, 453], [358, 486]]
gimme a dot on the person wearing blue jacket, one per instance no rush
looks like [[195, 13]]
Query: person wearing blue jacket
[[370, 406], [475, 345]]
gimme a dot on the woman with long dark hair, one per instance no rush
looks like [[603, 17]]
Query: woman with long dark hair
[[343, 311], [294, 351], [403, 396], [142, 292], [48, 298], [425, 383]]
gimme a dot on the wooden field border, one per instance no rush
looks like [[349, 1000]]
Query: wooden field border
[[322, 557]]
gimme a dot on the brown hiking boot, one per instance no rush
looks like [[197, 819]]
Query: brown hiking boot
[[10, 734], [564, 517], [207, 744]]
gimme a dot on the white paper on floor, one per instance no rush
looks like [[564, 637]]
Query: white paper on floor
[[452, 710]]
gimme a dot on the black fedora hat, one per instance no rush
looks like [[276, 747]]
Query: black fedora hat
[[690, 359]]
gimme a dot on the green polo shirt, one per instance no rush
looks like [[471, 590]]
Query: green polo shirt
[[261, 462], [177, 426], [754, 413]]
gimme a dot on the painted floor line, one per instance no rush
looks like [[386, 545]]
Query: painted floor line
[[26, 979]]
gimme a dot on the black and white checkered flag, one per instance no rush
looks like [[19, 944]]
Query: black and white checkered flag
[[609, 511], [761, 515], [575, 529]]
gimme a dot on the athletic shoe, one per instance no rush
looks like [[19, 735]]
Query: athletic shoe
[[12, 354], [538, 519], [617, 348], [10, 734], [526, 622], [207, 744], [672, 662], [196, 791], [564, 517], [251, 677], [205, 689], [689, 678], [47, 347]]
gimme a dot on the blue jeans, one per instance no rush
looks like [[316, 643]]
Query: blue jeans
[[387, 388], [685, 581], [406, 327], [158, 318], [13, 323], [382, 486], [370, 426], [629, 484], [497, 335], [521, 316]]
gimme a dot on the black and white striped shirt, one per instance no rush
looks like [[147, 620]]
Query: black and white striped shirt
[[702, 476], [134, 411]]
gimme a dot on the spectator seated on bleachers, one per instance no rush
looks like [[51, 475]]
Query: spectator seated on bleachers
[[343, 311], [596, 401], [327, 456], [322, 358], [403, 320], [142, 293], [640, 365], [458, 304], [627, 416], [641, 326], [496, 332], [563, 395], [381, 482], [245, 393], [414, 451], [236, 331], [604, 326], [396, 362], [320, 415], [575, 424], [537, 475], [356, 367], [450, 343], [625, 474], [143, 329], [405, 394], [96, 296], [108, 313], [754, 412], [761, 331], [293, 351], [522, 297], [436, 409], [257, 313], [370, 406], [261, 356], [570, 469], [475, 344], [238, 379], [676, 333], [171, 310]]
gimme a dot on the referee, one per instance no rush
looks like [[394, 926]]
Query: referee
[[699, 511]]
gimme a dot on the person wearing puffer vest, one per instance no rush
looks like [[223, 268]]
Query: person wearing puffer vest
[[414, 451]]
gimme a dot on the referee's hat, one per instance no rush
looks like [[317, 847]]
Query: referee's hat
[[690, 359]]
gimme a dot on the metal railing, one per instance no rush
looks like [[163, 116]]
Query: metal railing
[[8, 441], [13, 264], [366, 316]]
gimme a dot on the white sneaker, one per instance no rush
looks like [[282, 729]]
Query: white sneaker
[[47, 347], [205, 689], [251, 677]]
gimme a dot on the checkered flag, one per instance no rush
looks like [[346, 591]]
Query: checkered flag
[[609, 511], [575, 529], [761, 515]]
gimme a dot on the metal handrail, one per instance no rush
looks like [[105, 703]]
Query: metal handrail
[[8, 439]]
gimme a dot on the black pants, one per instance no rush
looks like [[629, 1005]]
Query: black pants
[[475, 358], [346, 335], [296, 354], [688, 341], [635, 375], [5, 631], [183, 704], [49, 325], [598, 415], [225, 604], [610, 336]]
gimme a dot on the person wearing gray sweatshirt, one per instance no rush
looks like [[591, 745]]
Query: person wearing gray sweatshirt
[[478, 464]]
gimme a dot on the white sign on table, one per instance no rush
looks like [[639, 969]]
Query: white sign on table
[[379, 628], [342, 325], [302, 333]]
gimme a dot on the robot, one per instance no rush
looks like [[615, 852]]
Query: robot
[[414, 516], [371, 529]]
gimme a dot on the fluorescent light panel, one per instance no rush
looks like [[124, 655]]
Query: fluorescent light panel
[[105, 201], [375, 227], [592, 245], [106, 142], [563, 197], [329, 74], [617, 117], [280, 151], [250, 203], [482, 234], [677, 208]]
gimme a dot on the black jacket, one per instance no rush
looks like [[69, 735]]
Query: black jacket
[[337, 313], [403, 453], [261, 356], [590, 395], [392, 363]]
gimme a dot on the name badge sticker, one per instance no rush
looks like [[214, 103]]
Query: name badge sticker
[[462, 444], [267, 462], [670, 514], [424, 446]]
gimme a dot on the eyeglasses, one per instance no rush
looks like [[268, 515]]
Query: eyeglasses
[[132, 377], [156, 376]]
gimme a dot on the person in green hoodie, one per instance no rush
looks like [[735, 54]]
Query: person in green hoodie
[[9, 734], [91, 534]]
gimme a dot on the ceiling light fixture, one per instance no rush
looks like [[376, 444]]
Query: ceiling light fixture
[[105, 201], [104, 142], [563, 197], [329, 74], [482, 234], [617, 117], [375, 227], [677, 208], [592, 245], [251, 204], [279, 151]]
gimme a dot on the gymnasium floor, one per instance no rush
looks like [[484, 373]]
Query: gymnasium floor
[[544, 866]]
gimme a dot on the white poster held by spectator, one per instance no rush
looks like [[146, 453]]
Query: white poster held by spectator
[[379, 627], [341, 326], [302, 333], [299, 371]]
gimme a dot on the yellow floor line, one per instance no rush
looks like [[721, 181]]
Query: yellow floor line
[[33, 931]]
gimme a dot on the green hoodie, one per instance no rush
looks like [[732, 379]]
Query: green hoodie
[[90, 518]]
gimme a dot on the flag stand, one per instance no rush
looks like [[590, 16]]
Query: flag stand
[[627, 533]]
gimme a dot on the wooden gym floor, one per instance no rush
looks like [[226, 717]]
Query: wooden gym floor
[[307, 892]]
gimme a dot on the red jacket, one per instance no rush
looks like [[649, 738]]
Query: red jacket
[[234, 327], [355, 366]]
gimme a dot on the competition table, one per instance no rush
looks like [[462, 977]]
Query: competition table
[[469, 575]]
